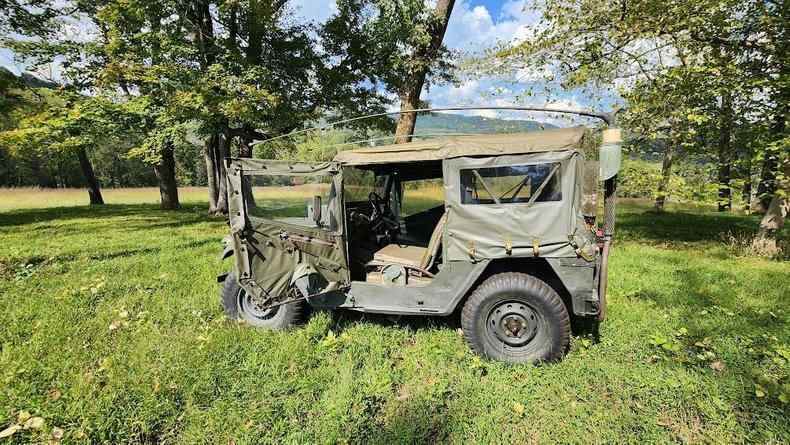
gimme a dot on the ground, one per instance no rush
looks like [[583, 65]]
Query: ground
[[111, 331]]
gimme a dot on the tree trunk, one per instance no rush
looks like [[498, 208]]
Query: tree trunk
[[223, 148], [212, 173], [165, 172], [746, 192], [666, 175], [424, 56], [200, 16], [725, 192], [94, 192], [725, 155], [767, 186], [245, 151], [214, 153], [410, 100], [774, 218]]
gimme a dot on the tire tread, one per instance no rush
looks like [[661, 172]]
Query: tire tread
[[532, 286]]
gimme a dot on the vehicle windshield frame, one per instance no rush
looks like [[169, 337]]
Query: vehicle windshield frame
[[241, 168]]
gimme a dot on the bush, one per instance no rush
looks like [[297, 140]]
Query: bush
[[689, 182]]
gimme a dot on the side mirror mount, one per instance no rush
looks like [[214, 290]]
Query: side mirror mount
[[317, 210]]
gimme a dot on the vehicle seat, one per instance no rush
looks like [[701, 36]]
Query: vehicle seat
[[414, 256]]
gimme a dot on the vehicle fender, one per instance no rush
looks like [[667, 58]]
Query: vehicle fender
[[307, 279], [577, 276], [302, 270], [227, 250]]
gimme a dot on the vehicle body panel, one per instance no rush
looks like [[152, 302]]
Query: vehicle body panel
[[440, 297], [552, 229]]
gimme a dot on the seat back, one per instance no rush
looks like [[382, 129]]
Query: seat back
[[433, 245]]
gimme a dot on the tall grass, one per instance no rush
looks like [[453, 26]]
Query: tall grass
[[111, 331]]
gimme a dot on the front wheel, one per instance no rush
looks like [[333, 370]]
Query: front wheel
[[516, 318], [239, 305]]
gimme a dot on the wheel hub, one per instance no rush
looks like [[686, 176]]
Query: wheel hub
[[513, 323], [255, 307]]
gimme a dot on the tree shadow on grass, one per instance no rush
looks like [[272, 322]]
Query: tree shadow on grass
[[717, 315], [695, 295], [343, 319], [107, 256], [29, 216], [682, 226]]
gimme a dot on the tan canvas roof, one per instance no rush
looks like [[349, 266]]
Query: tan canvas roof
[[559, 139]]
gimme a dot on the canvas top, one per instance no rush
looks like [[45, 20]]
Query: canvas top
[[559, 139]]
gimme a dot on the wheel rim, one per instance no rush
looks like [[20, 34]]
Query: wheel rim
[[250, 307], [513, 323]]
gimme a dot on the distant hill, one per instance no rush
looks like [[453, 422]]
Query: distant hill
[[458, 123]]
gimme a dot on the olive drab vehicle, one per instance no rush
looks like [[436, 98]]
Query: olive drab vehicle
[[513, 243]]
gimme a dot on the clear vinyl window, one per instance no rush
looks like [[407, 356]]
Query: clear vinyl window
[[512, 184], [290, 199]]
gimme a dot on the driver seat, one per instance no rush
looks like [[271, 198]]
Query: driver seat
[[413, 256]]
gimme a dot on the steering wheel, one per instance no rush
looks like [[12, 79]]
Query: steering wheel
[[377, 205], [381, 217]]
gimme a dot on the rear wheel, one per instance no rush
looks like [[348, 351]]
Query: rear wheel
[[239, 305], [517, 318]]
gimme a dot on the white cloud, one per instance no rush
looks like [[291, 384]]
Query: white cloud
[[534, 74], [473, 28], [490, 92], [7, 61]]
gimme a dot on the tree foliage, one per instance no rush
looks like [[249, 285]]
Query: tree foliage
[[710, 76]]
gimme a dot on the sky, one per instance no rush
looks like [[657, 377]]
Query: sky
[[474, 25]]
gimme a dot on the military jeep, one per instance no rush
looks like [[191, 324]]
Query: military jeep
[[499, 227]]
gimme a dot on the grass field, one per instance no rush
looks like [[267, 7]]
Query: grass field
[[111, 332], [36, 198]]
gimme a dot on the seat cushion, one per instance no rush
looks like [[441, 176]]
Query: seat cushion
[[398, 254]]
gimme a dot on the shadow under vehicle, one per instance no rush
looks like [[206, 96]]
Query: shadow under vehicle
[[513, 243]]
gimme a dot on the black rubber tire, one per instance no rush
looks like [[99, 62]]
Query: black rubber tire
[[234, 303], [546, 329]]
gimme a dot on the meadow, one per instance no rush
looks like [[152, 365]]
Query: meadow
[[111, 332]]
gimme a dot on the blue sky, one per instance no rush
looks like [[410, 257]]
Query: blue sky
[[474, 25]]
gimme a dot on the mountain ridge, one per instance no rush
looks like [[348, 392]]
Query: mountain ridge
[[458, 123]]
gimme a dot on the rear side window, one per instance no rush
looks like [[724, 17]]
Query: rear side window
[[513, 184]]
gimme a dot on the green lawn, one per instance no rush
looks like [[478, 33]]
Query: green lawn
[[111, 330]]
